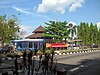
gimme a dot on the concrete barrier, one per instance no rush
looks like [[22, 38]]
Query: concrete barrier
[[74, 52], [77, 52], [71, 53], [60, 53], [56, 54], [63, 53]]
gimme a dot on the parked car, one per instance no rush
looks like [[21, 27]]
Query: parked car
[[6, 48]]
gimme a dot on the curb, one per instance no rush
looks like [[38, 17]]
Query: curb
[[75, 52]]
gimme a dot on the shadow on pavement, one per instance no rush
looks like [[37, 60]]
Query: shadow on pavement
[[86, 67]]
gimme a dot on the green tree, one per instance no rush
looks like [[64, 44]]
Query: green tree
[[98, 38], [93, 33], [57, 30], [82, 32], [88, 33], [8, 28]]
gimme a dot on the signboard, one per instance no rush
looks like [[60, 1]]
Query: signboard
[[48, 45]]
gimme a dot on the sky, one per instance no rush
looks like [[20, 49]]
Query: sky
[[33, 13]]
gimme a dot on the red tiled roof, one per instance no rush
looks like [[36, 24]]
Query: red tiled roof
[[39, 29], [35, 35]]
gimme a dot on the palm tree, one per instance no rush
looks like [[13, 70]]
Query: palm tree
[[72, 30]]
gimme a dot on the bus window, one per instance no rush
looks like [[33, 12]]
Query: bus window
[[25, 45], [30, 44], [19, 45]]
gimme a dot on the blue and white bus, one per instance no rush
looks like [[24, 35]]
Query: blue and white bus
[[30, 44]]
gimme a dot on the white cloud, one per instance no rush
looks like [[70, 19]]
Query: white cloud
[[98, 25], [59, 5], [74, 6], [28, 13], [26, 29], [21, 10]]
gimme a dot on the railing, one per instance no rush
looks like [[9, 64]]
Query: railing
[[32, 65]]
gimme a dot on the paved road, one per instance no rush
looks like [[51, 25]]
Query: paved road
[[80, 64], [72, 61], [75, 59]]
